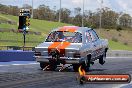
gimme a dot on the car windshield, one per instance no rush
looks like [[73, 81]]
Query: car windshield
[[58, 36]]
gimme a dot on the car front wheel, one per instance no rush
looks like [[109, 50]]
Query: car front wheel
[[85, 65], [102, 58]]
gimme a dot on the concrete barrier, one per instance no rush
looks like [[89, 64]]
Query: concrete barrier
[[119, 53], [15, 55], [19, 55]]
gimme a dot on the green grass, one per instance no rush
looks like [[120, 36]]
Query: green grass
[[35, 24], [16, 39], [39, 26], [118, 46], [44, 26], [7, 26]]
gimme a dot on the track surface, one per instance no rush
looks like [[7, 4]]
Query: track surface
[[30, 75]]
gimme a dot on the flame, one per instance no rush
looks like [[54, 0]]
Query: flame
[[81, 71]]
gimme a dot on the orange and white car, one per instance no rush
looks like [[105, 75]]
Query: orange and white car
[[71, 45]]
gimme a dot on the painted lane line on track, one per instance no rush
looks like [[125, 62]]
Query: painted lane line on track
[[18, 63], [26, 64], [4, 65]]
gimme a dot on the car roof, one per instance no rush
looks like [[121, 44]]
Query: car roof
[[72, 29]]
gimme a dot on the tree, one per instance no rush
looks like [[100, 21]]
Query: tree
[[126, 20], [26, 6], [77, 11], [65, 14], [110, 18]]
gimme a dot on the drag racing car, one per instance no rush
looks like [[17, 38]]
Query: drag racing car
[[71, 45]]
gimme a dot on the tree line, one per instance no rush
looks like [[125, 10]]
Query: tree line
[[110, 19]]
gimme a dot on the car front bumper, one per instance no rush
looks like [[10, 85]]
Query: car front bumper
[[66, 59]]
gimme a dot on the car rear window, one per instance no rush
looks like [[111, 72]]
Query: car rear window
[[59, 36]]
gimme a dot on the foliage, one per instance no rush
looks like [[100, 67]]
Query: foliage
[[119, 28], [114, 39], [118, 46], [110, 18], [125, 43], [16, 39], [36, 25]]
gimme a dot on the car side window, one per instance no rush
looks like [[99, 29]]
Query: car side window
[[88, 37], [93, 35]]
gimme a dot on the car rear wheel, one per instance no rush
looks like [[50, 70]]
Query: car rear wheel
[[52, 65]]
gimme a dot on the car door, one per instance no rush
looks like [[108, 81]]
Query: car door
[[86, 44], [95, 43]]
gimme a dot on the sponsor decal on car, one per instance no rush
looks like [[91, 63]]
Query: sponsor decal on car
[[60, 46]]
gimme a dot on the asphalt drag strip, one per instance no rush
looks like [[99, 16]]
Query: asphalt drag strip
[[28, 75]]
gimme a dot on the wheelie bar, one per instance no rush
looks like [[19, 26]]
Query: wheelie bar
[[63, 68], [46, 67]]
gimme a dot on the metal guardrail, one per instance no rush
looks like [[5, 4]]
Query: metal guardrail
[[17, 48]]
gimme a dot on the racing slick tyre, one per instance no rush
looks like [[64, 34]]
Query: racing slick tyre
[[52, 66], [102, 58], [85, 65], [75, 67]]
